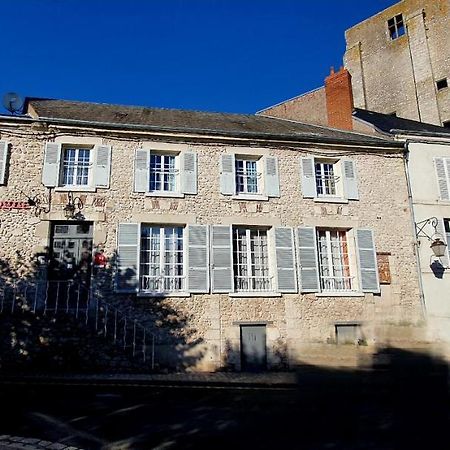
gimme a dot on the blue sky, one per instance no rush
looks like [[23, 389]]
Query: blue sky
[[212, 55]]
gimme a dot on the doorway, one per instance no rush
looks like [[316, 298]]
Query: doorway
[[71, 252], [253, 348]]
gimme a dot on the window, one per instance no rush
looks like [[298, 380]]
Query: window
[[334, 261], [161, 259], [249, 177], [251, 260], [163, 173], [441, 84], [349, 333], [329, 179], [76, 167], [446, 124], [246, 176], [326, 180], [396, 27]]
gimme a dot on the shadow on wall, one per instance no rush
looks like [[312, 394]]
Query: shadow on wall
[[56, 326]]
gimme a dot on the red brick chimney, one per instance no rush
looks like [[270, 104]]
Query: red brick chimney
[[339, 96]]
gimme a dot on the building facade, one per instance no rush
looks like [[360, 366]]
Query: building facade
[[241, 241]]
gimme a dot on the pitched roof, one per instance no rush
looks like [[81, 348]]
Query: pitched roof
[[118, 116], [388, 124]]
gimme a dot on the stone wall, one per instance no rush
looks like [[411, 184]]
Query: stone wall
[[202, 331]]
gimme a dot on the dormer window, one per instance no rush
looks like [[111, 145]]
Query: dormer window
[[396, 27]]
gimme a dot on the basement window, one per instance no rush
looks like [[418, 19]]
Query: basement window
[[396, 27], [446, 124], [441, 84], [348, 333]]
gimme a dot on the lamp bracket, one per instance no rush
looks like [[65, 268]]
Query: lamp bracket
[[420, 228]]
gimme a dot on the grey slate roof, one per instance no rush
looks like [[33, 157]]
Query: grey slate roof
[[387, 123], [241, 125]]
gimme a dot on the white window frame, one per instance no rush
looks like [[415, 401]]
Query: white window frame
[[245, 175], [250, 279], [176, 173], [337, 178], [90, 178], [350, 282], [260, 181], [161, 291]]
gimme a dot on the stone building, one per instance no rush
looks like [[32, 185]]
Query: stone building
[[399, 62], [240, 241]]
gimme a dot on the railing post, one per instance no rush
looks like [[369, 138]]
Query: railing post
[[153, 351], [134, 337]]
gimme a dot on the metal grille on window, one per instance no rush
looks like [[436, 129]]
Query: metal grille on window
[[163, 173], [76, 165], [246, 176], [250, 260], [334, 261], [325, 179], [162, 260]]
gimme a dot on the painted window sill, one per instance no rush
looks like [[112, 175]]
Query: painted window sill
[[75, 189], [255, 294], [257, 197], [340, 294], [182, 294], [164, 194], [340, 200]]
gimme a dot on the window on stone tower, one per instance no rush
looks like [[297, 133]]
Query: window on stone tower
[[441, 84], [396, 27]]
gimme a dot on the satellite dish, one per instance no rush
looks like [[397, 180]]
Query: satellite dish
[[12, 102]]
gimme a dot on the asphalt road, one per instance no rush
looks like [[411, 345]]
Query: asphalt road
[[402, 406]]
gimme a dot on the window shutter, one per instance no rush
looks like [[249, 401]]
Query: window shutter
[[227, 175], [3, 159], [102, 168], [307, 259], [128, 257], [50, 172], [368, 268], [349, 178], [284, 247], [198, 273], [141, 170], [271, 178], [222, 259], [308, 178], [440, 228], [442, 177], [189, 172]]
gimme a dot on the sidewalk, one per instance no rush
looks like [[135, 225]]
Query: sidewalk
[[201, 379]]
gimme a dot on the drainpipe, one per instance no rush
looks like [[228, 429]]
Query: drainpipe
[[416, 244]]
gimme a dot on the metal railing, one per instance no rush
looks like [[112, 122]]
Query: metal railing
[[253, 283], [162, 283], [337, 284], [76, 299], [326, 184]]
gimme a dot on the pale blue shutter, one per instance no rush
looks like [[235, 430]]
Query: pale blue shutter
[[368, 268], [198, 272], [271, 178], [189, 173], [442, 179], [3, 159], [102, 167], [227, 175], [307, 259], [284, 248], [51, 169], [222, 258], [350, 180], [141, 170], [127, 279], [308, 177]]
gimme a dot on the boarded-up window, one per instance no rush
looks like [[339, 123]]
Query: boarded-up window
[[384, 271]]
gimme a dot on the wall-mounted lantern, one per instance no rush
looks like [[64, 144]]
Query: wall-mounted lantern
[[438, 246], [73, 204]]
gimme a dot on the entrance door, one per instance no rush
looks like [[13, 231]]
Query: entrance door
[[71, 252], [253, 347]]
